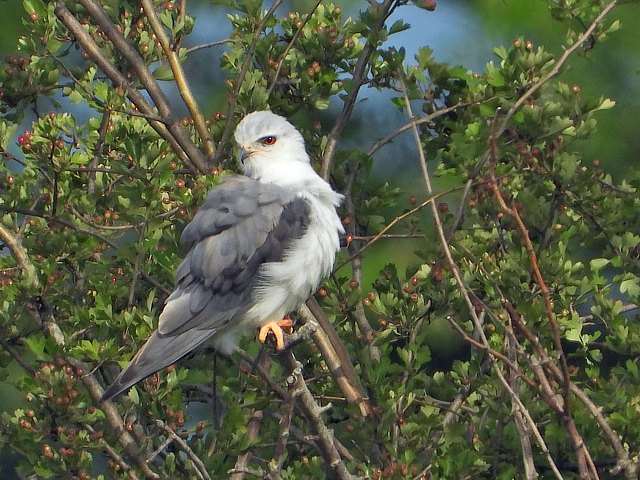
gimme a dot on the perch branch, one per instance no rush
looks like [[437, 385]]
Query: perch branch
[[313, 412], [335, 354]]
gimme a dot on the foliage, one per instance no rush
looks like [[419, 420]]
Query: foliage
[[533, 261]]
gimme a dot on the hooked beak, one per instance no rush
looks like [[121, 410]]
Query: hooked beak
[[244, 153]]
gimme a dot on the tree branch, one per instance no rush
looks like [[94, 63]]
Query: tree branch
[[463, 288], [299, 390], [93, 50], [181, 81], [360, 70]]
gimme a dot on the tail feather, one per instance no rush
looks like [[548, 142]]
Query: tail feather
[[159, 352]]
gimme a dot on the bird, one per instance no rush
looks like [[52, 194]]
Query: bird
[[260, 245]]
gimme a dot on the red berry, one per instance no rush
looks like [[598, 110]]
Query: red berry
[[443, 207]]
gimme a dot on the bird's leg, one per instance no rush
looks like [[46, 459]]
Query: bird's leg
[[276, 329]]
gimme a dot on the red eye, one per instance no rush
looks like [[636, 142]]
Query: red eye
[[268, 141]]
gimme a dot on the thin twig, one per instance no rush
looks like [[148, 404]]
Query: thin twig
[[383, 10], [181, 80], [209, 45], [233, 98], [289, 46], [465, 293], [426, 119], [200, 467]]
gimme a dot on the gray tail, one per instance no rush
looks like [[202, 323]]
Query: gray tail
[[159, 352]]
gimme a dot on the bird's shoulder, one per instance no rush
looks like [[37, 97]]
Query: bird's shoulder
[[237, 200]]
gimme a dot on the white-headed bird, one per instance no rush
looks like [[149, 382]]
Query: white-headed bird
[[257, 248]]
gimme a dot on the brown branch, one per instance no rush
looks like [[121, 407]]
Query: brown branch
[[97, 152], [358, 313], [624, 463], [253, 428], [464, 292], [564, 409], [113, 454], [17, 357], [94, 51], [360, 70], [530, 472], [178, 74], [525, 96], [280, 450], [201, 469], [313, 412], [335, 355], [42, 315]]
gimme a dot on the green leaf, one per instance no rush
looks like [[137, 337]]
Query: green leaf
[[631, 286], [597, 263]]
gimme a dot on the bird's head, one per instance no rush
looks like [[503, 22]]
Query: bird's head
[[269, 145]]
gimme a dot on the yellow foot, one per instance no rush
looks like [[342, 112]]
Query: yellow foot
[[276, 329]]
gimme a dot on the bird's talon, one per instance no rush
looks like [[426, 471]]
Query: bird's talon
[[276, 329]]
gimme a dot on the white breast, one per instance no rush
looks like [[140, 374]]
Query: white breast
[[288, 283]]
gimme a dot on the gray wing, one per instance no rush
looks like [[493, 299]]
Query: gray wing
[[242, 225]]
